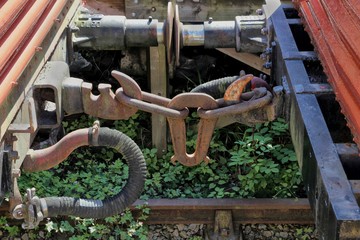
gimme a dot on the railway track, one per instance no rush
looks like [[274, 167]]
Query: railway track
[[243, 211], [204, 211]]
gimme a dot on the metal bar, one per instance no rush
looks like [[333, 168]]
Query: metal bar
[[202, 211], [150, 107], [314, 88], [300, 55], [294, 21]]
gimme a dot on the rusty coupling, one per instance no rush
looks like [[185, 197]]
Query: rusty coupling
[[128, 99]]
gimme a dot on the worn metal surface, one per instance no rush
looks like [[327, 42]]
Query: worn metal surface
[[219, 34], [169, 26], [250, 35], [47, 93], [244, 211], [101, 32], [234, 91], [337, 214], [178, 128], [193, 10], [334, 30]]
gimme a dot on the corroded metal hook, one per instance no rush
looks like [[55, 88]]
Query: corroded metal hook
[[178, 129]]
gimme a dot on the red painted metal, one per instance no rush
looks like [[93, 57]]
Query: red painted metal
[[21, 30], [43, 159], [334, 27], [31, 43], [9, 13]]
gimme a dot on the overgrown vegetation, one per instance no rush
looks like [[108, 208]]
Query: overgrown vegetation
[[245, 163]]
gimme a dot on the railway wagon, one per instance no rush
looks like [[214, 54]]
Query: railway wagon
[[308, 49]]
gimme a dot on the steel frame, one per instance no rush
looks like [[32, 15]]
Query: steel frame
[[336, 212]]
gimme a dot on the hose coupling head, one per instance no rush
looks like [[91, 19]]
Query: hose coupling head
[[33, 211]]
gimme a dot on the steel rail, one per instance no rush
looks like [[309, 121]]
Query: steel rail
[[202, 211]]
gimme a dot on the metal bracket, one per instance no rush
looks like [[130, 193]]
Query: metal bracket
[[224, 228], [30, 127]]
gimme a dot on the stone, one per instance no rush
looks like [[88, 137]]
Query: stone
[[267, 234], [247, 230], [194, 227], [181, 227], [183, 234], [25, 236], [283, 235], [41, 234], [262, 227], [175, 233], [170, 228]]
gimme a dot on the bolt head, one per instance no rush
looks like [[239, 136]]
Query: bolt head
[[264, 31], [259, 11]]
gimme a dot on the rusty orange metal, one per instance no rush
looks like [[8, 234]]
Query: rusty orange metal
[[334, 27], [178, 128], [234, 91], [22, 54]]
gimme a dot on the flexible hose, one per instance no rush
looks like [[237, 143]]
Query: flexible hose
[[215, 88], [88, 208]]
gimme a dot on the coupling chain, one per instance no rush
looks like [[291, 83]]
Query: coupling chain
[[177, 109]]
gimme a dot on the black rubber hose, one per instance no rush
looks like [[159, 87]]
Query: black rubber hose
[[215, 88], [88, 208]]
